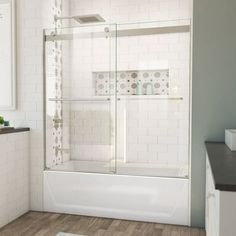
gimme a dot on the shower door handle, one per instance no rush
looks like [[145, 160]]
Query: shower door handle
[[149, 98], [79, 100], [63, 150]]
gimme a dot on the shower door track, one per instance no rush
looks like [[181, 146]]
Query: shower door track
[[121, 33]]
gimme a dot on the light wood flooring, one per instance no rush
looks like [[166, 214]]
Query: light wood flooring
[[48, 224]]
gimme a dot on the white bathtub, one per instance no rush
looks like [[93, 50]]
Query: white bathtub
[[153, 199]]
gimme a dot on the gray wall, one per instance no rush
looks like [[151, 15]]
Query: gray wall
[[214, 86]]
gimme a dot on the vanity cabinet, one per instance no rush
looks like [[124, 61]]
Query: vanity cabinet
[[220, 193], [14, 174], [212, 204]]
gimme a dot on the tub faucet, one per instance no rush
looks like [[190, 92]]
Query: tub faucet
[[58, 121]]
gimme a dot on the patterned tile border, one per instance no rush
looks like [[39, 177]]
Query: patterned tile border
[[145, 82]]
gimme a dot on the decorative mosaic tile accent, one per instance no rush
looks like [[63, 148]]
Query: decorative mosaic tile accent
[[146, 82], [55, 65]]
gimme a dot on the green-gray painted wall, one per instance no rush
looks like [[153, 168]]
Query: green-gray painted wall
[[213, 87]]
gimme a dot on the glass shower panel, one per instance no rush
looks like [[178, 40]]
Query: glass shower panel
[[153, 81], [80, 99]]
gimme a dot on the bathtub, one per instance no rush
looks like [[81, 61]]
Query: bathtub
[[151, 199]]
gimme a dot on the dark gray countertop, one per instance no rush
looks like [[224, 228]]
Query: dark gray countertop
[[15, 130], [223, 165]]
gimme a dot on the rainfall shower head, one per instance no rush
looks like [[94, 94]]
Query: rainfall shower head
[[87, 19], [83, 19]]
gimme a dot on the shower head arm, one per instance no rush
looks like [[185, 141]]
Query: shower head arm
[[63, 18], [93, 18]]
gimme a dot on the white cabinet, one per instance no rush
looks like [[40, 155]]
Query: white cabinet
[[212, 204], [220, 208], [14, 176]]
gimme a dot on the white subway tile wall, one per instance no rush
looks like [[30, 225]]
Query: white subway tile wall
[[14, 176], [147, 129], [33, 16]]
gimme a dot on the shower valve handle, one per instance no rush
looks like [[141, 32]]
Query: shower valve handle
[[63, 150]]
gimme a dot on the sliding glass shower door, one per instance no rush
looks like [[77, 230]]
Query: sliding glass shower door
[[80, 98], [117, 99], [153, 94]]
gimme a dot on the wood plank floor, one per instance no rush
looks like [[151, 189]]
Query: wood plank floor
[[48, 224]]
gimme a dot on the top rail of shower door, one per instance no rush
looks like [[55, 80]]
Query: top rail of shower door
[[121, 33]]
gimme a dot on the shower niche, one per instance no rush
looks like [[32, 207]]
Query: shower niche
[[117, 98], [149, 82]]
